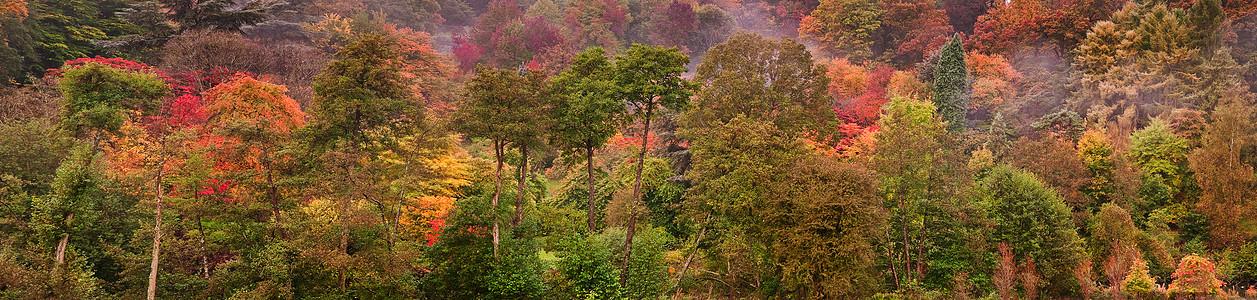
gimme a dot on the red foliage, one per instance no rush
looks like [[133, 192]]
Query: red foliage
[[467, 53], [916, 27], [434, 229], [1023, 23], [678, 24], [864, 110]]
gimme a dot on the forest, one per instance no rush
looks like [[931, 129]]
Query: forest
[[628, 149]]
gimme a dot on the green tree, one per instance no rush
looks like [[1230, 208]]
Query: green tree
[[502, 106], [919, 177], [1157, 151], [363, 105], [843, 28], [98, 98], [650, 79], [588, 112], [1036, 224], [951, 87], [760, 78]]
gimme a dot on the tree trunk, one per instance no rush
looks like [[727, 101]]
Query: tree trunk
[[921, 250], [519, 191], [271, 192], [637, 194], [688, 259], [344, 239], [65, 240], [497, 192], [589, 172], [204, 257], [152, 273], [907, 253]]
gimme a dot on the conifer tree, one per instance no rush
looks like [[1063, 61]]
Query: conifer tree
[[951, 85]]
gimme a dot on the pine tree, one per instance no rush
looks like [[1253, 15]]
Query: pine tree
[[951, 85]]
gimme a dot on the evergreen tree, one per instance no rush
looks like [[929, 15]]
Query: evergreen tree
[[1036, 224], [951, 85]]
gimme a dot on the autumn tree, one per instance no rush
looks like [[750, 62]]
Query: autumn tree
[[843, 28], [1195, 277], [260, 117], [678, 25], [951, 86], [588, 112], [650, 80], [99, 98], [825, 228], [1223, 170], [910, 30]]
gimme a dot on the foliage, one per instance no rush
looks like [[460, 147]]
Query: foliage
[[1035, 222], [828, 221], [1159, 152], [99, 97], [362, 92], [951, 87], [752, 76], [1195, 277], [1228, 186], [843, 28]]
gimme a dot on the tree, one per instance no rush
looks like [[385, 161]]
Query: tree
[[738, 174], [1195, 277], [502, 106], [918, 178], [951, 85], [1223, 170], [69, 29], [678, 25], [911, 29], [363, 103], [226, 15], [843, 28], [825, 223], [756, 77], [1159, 152], [260, 117], [1035, 223], [650, 79], [588, 113], [98, 97]]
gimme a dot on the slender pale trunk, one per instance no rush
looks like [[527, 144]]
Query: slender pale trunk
[[65, 240], [589, 172], [921, 250], [519, 190], [907, 253], [688, 259], [637, 194], [344, 238], [204, 256], [497, 192], [157, 233], [890, 254]]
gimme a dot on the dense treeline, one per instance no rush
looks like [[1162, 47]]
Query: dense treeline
[[628, 149]]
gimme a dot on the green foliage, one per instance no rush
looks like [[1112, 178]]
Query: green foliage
[[32, 150], [462, 260], [587, 269], [756, 77], [362, 97], [649, 77], [70, 29], [502, 105], [18, 60], [1035, 223], [951, 87], [588, 112], [843, 28], [648, 272], [1157, 151], [100, 98]]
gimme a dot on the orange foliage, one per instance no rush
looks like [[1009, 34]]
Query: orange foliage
[[16, 7], [846, 80], [255, 102], [994, 80]]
